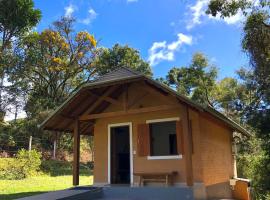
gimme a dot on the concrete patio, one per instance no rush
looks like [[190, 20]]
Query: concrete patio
[[117, 193]]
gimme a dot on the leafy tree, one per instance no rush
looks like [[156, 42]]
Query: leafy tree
[[196, 81], [256, 43], [54, 63], [227, 94], [120, 56], [16, 18]]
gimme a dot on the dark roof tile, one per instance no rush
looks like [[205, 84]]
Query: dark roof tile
[[119, 73]]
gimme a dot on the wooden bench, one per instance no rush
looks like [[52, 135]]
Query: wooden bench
[[166, 177]]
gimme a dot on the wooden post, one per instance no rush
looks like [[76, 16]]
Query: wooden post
[[187, 147], [234, 159], [30, 143], [76, 152]]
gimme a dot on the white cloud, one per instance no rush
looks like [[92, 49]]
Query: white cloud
[[197, 11], [90, 17], [69, 10], [197, 15], [132, 1], [235, 19], [162, 51]]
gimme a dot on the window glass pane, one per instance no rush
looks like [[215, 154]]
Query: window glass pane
[[163, 138]]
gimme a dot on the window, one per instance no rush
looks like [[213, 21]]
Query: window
[[163, 140]]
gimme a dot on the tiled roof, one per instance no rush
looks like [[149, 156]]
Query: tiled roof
[[119, 73]]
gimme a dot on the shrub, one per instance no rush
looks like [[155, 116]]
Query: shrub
[[30, 161], [10, 169], [25, 164], [57, 167]]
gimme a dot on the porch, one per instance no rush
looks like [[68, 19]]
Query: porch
[[117, 193]]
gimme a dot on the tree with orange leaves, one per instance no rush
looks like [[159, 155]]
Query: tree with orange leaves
[[53, 64]]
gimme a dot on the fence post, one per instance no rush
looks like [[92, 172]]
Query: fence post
[[54, 146], [30, 143]]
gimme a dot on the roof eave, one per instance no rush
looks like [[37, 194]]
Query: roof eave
[[184, 99], [199, 107]]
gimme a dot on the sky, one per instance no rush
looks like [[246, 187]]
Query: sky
[[166, 32]]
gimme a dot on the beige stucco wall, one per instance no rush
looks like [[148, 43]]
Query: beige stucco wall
[[212, 158], [217, 160], [139, 163]]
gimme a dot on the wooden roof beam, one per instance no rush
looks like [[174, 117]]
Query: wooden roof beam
[[98, 101], [127, 112], [105, 98]]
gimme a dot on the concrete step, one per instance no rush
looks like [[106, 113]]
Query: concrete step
[[117, 193], [147, 193]]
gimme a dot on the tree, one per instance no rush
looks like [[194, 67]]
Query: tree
[[16, 18], [120, 56], [196, 81], [256, 112], [53, 64], [227, 94]]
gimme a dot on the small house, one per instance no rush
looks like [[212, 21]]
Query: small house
[[147, 134]]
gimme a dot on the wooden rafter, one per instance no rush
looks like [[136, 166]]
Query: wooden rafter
[[105, 98], [127, 112], [87, 126], [149, 89], [98, 101]]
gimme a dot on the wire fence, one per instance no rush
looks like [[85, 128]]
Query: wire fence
[[10, 145], [50, 148]]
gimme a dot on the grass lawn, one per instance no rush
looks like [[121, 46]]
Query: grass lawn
[[12, 189]]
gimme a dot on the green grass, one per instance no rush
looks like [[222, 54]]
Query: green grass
[[57, 178]]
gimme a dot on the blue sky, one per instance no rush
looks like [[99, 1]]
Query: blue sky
[[166, 33]]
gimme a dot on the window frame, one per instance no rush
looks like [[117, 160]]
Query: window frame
[[168, 157]]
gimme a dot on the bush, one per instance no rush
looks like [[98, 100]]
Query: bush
[[30, 161], [10, 169], [26, 164], [58, 167]]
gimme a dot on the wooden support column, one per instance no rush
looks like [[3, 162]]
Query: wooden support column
[[187, 147], [76, 152]]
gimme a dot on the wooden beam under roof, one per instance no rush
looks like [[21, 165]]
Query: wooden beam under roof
[[127, 112], [98, 101], [105, 98]]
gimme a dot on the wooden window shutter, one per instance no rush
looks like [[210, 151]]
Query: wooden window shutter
[[180, 137], [143, 141]]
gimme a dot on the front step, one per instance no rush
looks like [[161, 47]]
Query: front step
[[147, 193]]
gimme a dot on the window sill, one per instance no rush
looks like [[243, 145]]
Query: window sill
[[174, 157]]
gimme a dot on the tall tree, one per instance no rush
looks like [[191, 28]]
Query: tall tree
[[196, 81], [16, 18], [120, 56], [256, 43], [53, 64]]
